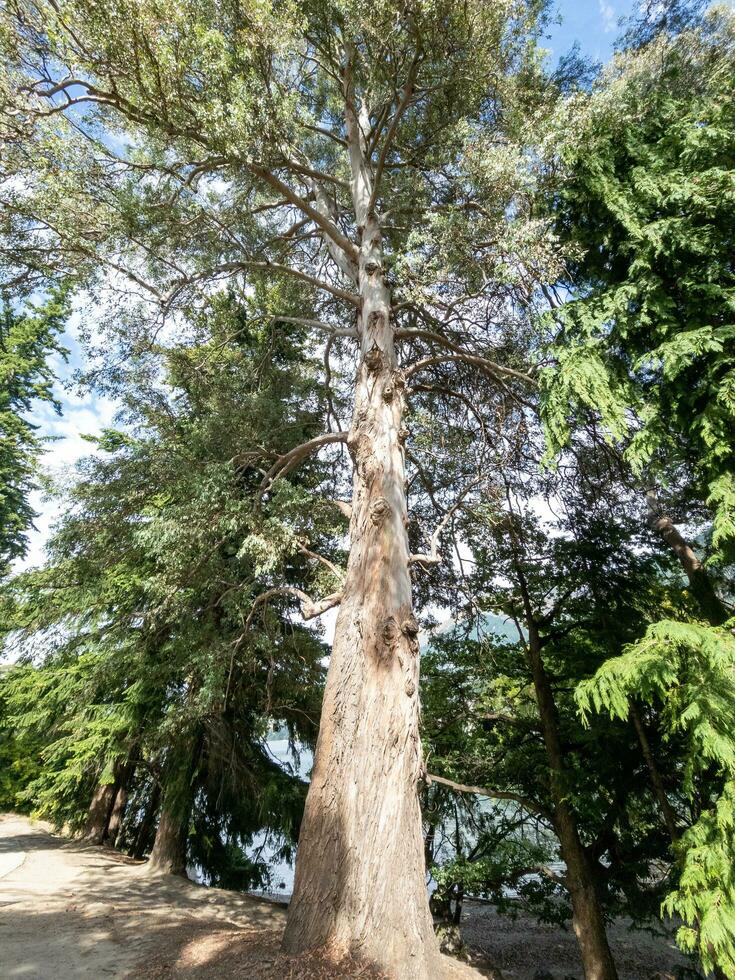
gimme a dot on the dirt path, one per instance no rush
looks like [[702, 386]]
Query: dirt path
[[69, 911]]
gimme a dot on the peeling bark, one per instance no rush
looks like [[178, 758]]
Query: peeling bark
[[360, 882]]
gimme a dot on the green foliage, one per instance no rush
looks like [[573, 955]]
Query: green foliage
[[690, 670], [646, 344], [27, 340], [148, 643]]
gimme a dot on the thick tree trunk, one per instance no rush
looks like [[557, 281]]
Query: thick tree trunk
[[360, 882], [587, 918], [168, 855], [169, 848], [98, 815]]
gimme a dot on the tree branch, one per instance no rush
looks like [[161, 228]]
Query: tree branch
[[486, 365], [493, 794], [387, 142], [290, 460], [316, 216], [309, 608], [434, 558]]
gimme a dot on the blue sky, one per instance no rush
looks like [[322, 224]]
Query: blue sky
[[591, 22], [594, 23]]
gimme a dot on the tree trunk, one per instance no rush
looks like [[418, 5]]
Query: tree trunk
[[99, 812], [117, 812], [587, 918], [145, 835], [700, 584], [169, 848], [168, 855], [659, 789], [360, 881]]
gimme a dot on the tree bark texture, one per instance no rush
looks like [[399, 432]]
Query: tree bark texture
[[360, 881], [145, 836], [168, 855], [120, 802], [587, 918], [99, 812]]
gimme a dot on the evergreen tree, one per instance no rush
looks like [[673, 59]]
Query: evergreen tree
[[347, 146], [27, 340]]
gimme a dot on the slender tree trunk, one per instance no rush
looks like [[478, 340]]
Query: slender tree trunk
[[145, 835], [117, 811], [659, 789], [360, 884], [700, 584], [587, 918]]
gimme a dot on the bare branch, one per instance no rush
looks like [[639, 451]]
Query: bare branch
[[309, 608], [388, 141], [334, 569], [318, 325], [434, 558], [316, 216], [493, 794], [486, 365], [264, 266], [290, 460]]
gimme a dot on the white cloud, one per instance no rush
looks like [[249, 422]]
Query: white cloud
[[607, 12]]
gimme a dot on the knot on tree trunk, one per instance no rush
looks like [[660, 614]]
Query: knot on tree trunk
[[390, 633], [410, 688], [374, 359], [410, 626], [379, 511], [371, 267]]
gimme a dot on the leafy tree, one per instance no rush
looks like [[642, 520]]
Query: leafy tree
[[646, 342], [502, 721], [160, 665], [645, 350], [27, 339], [353, 148]]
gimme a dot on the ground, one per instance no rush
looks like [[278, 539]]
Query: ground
[[70, 910]]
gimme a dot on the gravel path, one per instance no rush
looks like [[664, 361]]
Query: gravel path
[[70, 911]]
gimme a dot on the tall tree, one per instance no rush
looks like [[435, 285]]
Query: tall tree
[[157, 665], [28, 338], [341, 145]]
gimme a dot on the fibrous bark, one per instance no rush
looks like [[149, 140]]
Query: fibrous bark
[[168, 855], [99, 812], [360, 883]]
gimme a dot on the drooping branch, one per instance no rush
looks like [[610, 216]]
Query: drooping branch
[[318, 325], [483, 363], [230, 268]]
